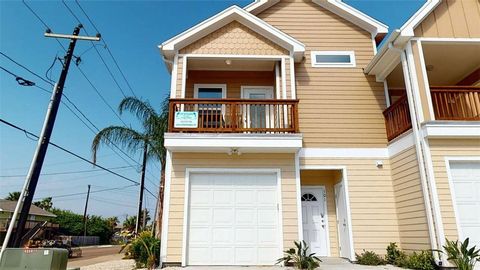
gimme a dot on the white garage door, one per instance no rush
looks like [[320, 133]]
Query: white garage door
[[466, 185], [233, 219]]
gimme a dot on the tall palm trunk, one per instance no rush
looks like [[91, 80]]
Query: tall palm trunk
[[161, 195], [142, 187]]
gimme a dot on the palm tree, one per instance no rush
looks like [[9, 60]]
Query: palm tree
[[149, 140], [13, 196]]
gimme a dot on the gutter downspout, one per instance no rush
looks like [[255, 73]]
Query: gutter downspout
[[420, 157]]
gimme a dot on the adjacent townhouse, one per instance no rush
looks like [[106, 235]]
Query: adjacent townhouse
[[286, 124]]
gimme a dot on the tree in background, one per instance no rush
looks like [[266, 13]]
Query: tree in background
[[113, 222], [46, 204], [72, 224], [13, 196], [129, 223], [148, 140]]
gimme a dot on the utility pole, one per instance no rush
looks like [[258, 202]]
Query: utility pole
[[144, 223], [31, 181], [142, 187], [85, 213]]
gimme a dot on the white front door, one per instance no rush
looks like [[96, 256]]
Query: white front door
[[466, 193], [343, 222], [315, 223], [233, 219], [258, 116]]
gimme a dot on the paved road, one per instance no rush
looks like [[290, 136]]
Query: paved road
[[94, 255]]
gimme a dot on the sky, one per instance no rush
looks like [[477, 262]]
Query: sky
[[132, 31]]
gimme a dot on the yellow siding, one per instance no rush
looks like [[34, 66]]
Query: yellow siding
[[449, 148], [328, 179], [372, 202], [233, 79], [234, 38], [288, 86], [181, 161], [452, 19], [339, 107], [412, 221], [179, 77]]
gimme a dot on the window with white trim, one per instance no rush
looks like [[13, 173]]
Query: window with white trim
[[333, 59]]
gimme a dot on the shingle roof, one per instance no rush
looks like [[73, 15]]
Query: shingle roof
[[9, 206]]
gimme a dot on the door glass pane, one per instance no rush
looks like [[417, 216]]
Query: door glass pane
[[257, 96], [210, 114]]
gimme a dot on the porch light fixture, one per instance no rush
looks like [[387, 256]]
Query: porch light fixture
[[234, 151], [228, 62]]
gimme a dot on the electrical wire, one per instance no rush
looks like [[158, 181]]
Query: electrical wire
[[67, 172]]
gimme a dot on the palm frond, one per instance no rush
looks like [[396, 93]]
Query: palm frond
[[140, 108], [127, 138]]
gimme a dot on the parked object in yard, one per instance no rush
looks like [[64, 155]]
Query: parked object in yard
[[73, 250], [34, 259]]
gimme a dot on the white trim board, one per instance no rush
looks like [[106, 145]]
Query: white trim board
[[189, 171], [166, 208]]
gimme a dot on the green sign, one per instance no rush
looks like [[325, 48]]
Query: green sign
[[186, 120]]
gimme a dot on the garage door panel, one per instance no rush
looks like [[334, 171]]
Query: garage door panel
[[466, 185], [233, 219]]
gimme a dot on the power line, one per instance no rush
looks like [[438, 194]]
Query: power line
[[67, 172], [83, 193], [68, 151], [106, 47], [27, 69]]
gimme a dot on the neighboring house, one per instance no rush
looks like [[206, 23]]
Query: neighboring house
[[36, 215], [277, 133]]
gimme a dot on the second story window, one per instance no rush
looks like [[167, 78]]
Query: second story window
[[333, 59], [210, 91]]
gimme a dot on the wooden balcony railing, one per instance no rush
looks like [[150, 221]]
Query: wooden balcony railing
[[235, 115], [456, 102], [397, 118]]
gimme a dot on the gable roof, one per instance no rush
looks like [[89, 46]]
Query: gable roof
[[422, 13], [378, 29], [233, 13], [9, 206]]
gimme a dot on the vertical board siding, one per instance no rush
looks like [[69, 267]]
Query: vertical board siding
[[182, 161], [441, 149], [412, 221], [234, 38], [452, 19], [372, 202], [339, 107], [328, 179], [234, 80]]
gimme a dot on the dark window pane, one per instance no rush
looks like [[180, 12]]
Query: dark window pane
[[209, 92], [333, 58]]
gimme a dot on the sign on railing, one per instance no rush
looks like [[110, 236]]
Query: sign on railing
[[186, 120]]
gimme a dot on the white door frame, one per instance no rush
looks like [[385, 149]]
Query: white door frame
[[448, 163], [343, 169], [327, 228], [189, 171]]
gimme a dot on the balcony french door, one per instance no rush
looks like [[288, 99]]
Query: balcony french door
[[258, 116]]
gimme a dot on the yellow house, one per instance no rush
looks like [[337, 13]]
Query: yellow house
[[286, 124]]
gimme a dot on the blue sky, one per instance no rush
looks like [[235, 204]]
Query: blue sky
[[132, 30]]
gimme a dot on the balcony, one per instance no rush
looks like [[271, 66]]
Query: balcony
[[450, 103], [230, 115]]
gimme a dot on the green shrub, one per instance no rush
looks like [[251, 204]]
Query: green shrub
[[394, 255], [300, 258], [463, 257], [370, 258], [144, 249], [421, 261]]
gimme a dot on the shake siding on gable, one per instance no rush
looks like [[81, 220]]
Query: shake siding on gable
[[412, 221], [372, 201], [339, 107], [452, 19], [441, 149], [234, 38], [182, 161]]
